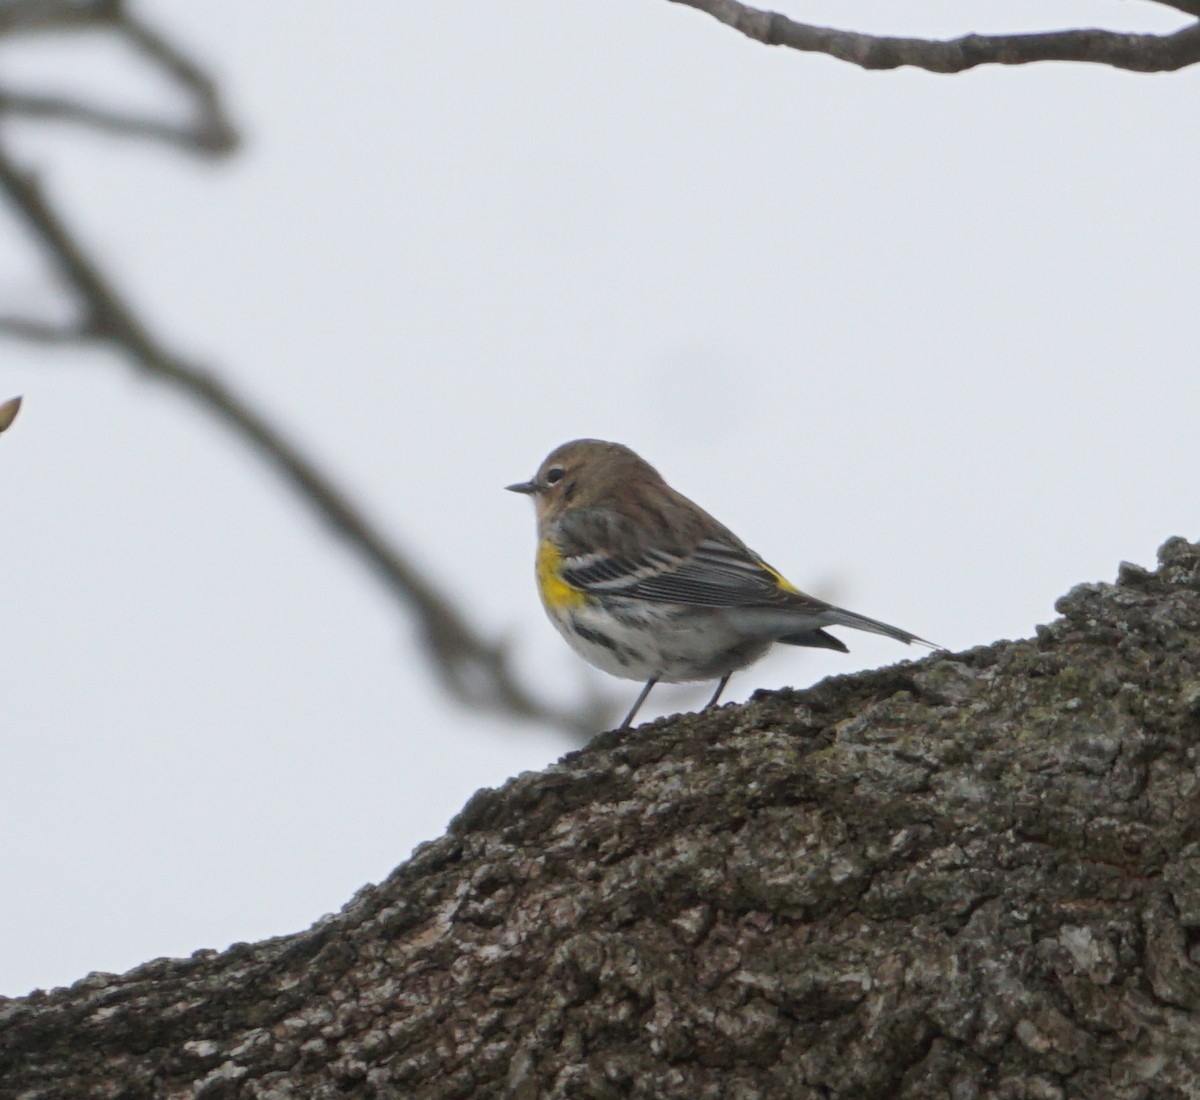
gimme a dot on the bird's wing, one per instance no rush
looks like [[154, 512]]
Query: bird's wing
[[726, 574], [714, 574]]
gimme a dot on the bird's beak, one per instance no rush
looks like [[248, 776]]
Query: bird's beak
[[526, 487]]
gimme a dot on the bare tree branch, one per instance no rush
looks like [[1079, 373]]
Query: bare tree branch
[[35, 331], [210, 129], [1137, 52], [63, 109], [23, 16], [213, 129], [472, 669]]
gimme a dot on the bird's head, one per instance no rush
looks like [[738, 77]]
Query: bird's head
[[582, 473]]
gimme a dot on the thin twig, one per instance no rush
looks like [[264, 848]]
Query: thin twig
[[63, 109], [216, 132], [34, 331], [24, 16], [210, 130], [1136, 52], [474, 670]]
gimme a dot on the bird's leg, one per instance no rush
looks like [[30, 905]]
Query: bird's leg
[[638, 702], [720, 688]]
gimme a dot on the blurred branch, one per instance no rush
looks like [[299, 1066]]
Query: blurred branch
[[1137, 52], [62, 109], [17, 16], [209, 130], [41, 332], [212, 129], [474, 670]]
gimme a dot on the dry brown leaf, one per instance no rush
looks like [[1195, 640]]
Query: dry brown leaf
[[8, 412]]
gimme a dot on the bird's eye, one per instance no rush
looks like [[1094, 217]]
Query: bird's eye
[[554, 474]]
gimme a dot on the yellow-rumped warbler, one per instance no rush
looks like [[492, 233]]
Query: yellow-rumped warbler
[[646, 585]]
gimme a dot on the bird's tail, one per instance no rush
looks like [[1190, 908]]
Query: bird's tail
[[837, 616], [802, 621]]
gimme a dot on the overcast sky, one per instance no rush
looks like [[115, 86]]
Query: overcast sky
[[927, 343]]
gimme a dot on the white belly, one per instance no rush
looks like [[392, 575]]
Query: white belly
[[639, 641]]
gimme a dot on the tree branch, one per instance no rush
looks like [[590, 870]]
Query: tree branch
[[974, 875], [210, 131], [473, 670], [63, 109], [214, 131], [24, 16], [1135, 52], [34, 331]]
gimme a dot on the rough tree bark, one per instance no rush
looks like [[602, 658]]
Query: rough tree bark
[[977, 875]]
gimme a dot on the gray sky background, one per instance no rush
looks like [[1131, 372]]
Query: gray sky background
[[927, 343]]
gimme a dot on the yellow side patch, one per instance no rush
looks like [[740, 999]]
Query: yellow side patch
[[780, 579], [556, 593]]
